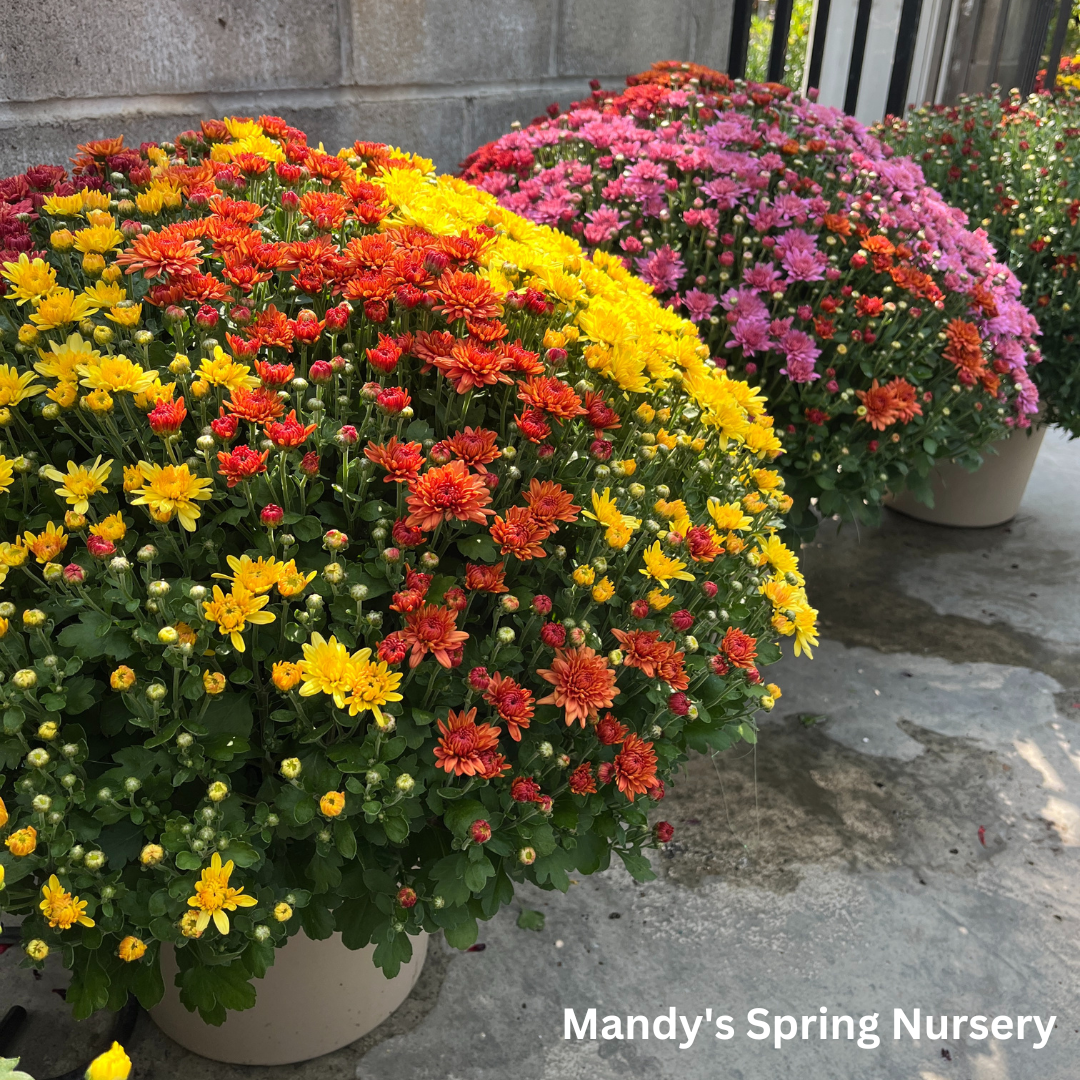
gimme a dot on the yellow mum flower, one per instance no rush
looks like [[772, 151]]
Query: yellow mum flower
[[728, 516], [48, 544], [618, 536], [99, 238], [7, 474], [646, 413], [373, 685], [663, 568], [232, 612], [214, 896], [29, 279], [286, 675], [12, 554], [16, 386], [761, 440], [62, 361], [125, 316], [131, 949], [114, 373], [332, 803], [606, 512], [292, 581], [60, 908], [104, 294], [98, 401], [256, 576], [584, 575], [64, 205], [225, 372], [767, 480], [603, 590], [781, 558], [327, 668], [80, 482], [60, 308], [170, 491], [133, 478], [658, 599], [242, 127], [114, 1064], [111, 528]]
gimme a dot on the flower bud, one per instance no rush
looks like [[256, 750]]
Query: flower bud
[[156, 692], [282, 912], [41, 804], [151, 854], [25, 679], [405, 783], [290, 768], [526, 856], [168, 635], [38, 758], [217, 791], [95, 860]]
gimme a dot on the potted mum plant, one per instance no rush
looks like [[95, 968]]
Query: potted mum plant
[[1011, 164], [884, 333], [368, 550]]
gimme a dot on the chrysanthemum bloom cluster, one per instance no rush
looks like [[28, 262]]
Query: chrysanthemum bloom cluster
[[1013, 165], [366, 545], [883, 332]]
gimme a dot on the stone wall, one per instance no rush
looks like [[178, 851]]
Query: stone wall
[[435, 76]]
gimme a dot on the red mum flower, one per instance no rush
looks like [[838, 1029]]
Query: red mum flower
[[679, 704], [548, 503], [519, 534], [553, 635], [99, 547], [581, 780], [471, 364], [224, 427], [639, 609], [432, 630], [385, 356], [664, 831], [477, 447], [445, 493], [524, 789], [550, 395], [455, 599], [599, 413], [393, 399], [289, 433], [462, 741], [583, 683], [274, 376], [167, 416], [487, 579], [702, 545], [492, 764], [739, 648], [635, 767], [460, 295], [532, 424], [241, 463], [392, 648], [479, 679], [406, 535], [513, 702], [401, 460], [258, 406], [609, 731]]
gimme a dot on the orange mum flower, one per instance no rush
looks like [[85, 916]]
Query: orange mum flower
[[880, 406], [964, 346], [258, 406], [289, 433], [548, 503], [583, 683], [433, 630], [271, 327], [635, 767], [326, 210], [739, 648], [477, 447], [519, 534], [463, 742], [460, 295], [471, 364], [904, 400], [489, 579], [581, 780], [401, 460], [550, 395], [447, 492], [513, 702], [161, 255]]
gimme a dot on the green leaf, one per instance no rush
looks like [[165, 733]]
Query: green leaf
[[480, 548], [188, 860], [80, 694], [9, 1072], [309, 528], [345, 839], [530, 920], [374, 510], [477, 873], [94, 636], [397, 829], [638, 865], [460, 815]]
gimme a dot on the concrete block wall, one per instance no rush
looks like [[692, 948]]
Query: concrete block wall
[[435, 76]]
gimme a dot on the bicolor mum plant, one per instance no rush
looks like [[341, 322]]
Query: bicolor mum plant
[[367, 550], [885, 334]]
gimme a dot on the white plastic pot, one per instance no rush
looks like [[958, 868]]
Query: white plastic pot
[[319, 996], [976, 500]]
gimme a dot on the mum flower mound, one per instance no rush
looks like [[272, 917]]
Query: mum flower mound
[[885, 334], [1012, 165], [369, 549]]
